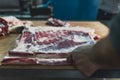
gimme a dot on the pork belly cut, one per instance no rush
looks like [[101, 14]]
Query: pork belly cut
[[10, 60], [52, 61], [10, 24], [48, 40], [49, 45]]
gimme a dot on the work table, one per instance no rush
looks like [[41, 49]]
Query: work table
[[8, 43]]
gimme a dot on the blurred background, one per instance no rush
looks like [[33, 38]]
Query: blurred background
[[63, 9], [26, 9], [43, 9]]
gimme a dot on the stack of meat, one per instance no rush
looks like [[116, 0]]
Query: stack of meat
[[48, 45]]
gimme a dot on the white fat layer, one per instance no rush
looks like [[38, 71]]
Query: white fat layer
[[22, 47]]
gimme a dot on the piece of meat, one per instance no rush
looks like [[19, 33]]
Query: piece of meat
[[18, 60], [33, 61], [52, 61], [3, 27], [13, 21], [15, 24], [51, 45], [57, 22], [51, 55], [10, 24], [39, 40]]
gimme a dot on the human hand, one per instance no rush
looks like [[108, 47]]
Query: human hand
[[80, 58]]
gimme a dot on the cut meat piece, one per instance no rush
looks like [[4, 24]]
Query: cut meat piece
[[13, 21], [57, 22], [51, 55], [53, 40], [33, 61], [12, 24], [3, 27], [49, 45], [52, 61], [20, 53], [18, 60]]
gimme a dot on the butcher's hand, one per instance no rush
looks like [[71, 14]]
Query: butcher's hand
[[80, 58]]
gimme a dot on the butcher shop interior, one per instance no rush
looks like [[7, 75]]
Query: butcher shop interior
[[59, 39]]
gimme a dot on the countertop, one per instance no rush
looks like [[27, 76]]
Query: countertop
[[26, 72]]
